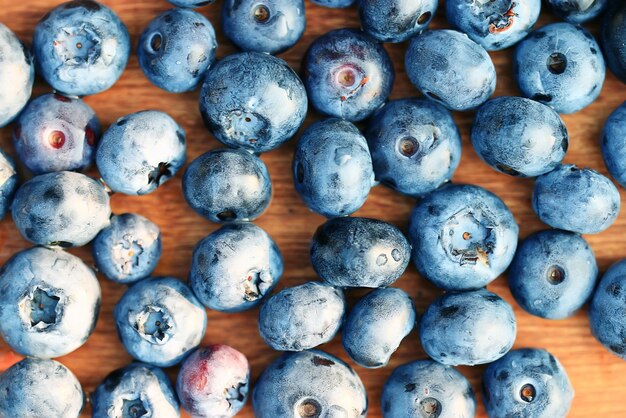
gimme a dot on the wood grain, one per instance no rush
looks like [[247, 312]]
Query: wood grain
[[597, 375]]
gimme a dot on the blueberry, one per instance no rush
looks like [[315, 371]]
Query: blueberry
[[302, 317], [8, 183], [495, 24], [309, 384], [359, 252], [252, 100], [234, 268], [129, 249], [176, 50], [270, 26], [347, 74], [160, 321], [527, 383], [40, 388], [553, 274], [62, 209], [140, 152], [578, 11], [614, 37], [468, 328], [575, 199], [214, 382], [427, 389], [191, 3], [463, 237], [134, 391], [376, 325], [56, 133], [451, 69], [614, 144], [519, 137], [226, 185], [415, 146], [17, 75], [395, 20], [334, 4], [81, 47], [332, 168]]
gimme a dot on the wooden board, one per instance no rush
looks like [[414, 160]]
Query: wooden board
[[597, 375]]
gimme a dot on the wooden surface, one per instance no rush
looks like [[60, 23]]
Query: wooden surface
[[598, 377]]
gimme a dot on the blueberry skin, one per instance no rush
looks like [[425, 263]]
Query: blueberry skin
[[334, 4], [415, 389], [395, 20], [614, 144], [81, 47], [578, 11], [40, 388], [8, 183], [302, 317], [613, 37], [137, 387], [376, 326], [63, 209], [56, 133], [234, 268], [312, 382], [226, 185], [160, 321], [17, 75], [460, 76], [553, 274], [519, 137], [213, 382], [495, 24], [176, 50], [415, 145], [527, 383], [140, 152], [191, 3], [129, 249], [468, 328], [359, 252], [261, 109], [50, 302], [575, 199], [270, 26], [332, 168], [463, 237], [347, 74]]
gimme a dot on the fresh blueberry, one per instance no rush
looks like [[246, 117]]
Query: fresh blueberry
[[495, 24], [50, 302], [140, 152], [527, 383], [191, 3], [376, 325], [81, 47], [252, 100], [302, 317], [468, 328], [395, 20], [214, 382], [41, 389], [575, 199], [451, 69], [332, 168], [347, 74], [519, 137], [415, 146], [160, 321], [176, 50], [309, 384], [270, 26], [553, 274], [129, 249], [226, 185], [578, 11], [56, 133], [614, 37], [359, 252], [235, 267], [427, 389], [62, 209], [614, 144], [17, 75], [463, 237], [135, 391], [8, 183], [334, 4]]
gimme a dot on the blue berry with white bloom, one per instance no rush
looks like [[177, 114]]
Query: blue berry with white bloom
[[17, 75]]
